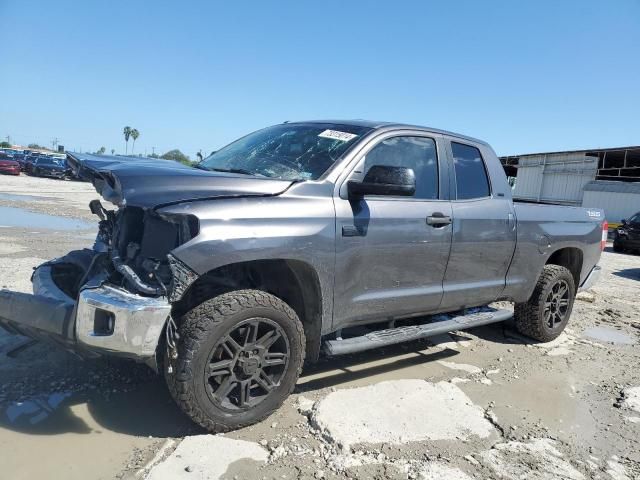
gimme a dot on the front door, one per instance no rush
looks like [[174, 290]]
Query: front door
[[390, 261]]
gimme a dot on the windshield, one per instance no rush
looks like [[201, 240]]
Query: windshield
[[288, 151], [51, 161]]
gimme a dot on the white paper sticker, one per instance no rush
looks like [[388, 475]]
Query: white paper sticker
[[337, 135]]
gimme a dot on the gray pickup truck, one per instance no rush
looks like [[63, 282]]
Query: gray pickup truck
[[297, 240]]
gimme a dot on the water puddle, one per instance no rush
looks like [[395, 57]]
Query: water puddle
[[608, 335], [19, 217], [14, 197], [35, 410]]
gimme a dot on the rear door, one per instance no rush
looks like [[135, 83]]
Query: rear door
[[390, 261], [484, 233]]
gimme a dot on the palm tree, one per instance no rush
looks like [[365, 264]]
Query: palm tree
[[127, 133], [134, 134]]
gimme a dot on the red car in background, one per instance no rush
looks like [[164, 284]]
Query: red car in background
[[8, 165]]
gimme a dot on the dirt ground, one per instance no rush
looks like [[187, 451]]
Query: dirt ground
[[485, 403]]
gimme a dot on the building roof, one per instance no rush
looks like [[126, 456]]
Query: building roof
[[586, 150]]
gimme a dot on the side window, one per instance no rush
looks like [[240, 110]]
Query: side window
[[471, 174], [418, 153]]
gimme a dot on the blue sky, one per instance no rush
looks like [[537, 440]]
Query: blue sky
[[524, 76]]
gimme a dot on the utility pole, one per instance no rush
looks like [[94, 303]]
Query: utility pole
[[8, 137], [153, 150], [54, 143]]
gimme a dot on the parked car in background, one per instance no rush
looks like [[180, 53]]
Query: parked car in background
[[8, 165], [29, 161], [22, 160], [627, 235], [45, 166]]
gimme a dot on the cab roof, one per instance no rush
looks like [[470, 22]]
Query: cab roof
[[394, 126]]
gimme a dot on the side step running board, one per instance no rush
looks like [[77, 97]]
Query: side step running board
[[391, 336]]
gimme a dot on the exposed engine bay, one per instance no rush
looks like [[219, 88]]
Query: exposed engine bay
[[131, 251]]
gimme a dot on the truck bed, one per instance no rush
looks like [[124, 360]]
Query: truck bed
[[543, 229]]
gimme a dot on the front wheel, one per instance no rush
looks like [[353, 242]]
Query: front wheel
[[239, 357], [545, 315]]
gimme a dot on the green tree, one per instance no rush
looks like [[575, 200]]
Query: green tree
[[35, 146], [177, 156], [134, 134], [126, 131], [113, 151], [101, 151], [5, 145]]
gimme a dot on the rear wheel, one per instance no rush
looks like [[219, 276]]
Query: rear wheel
[[239, 357], [545, 315]]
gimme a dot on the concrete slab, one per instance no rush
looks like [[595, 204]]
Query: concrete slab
[[398, 412], [206, 457]]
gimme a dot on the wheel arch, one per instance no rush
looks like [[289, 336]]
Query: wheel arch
[[570, 258], [294, 281]]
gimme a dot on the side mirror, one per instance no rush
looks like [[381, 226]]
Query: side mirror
[[384, 180], [623, 221]]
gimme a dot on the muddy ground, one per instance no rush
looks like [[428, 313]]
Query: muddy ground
[[485, 403]]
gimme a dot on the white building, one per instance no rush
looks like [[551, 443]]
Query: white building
[[607, 178]]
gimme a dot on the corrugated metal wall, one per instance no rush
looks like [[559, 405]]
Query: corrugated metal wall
[[616, 205], [557, 177]]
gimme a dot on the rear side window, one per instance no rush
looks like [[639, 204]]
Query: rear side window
[[471, 174]]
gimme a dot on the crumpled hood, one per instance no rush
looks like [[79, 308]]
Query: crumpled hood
[[151, 183]]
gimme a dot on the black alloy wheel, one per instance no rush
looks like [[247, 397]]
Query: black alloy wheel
[[246, 364], [237, 358], [546, 313], [556, 304]]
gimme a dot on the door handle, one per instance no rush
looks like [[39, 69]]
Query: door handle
[[438, 219]]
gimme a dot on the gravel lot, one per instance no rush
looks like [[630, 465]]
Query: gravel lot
[[485, 403]]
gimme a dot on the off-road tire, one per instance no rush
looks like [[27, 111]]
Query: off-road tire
[[201, 328], [529, 316]]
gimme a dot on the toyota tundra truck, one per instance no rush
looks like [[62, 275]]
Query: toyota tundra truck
[[300, 240]]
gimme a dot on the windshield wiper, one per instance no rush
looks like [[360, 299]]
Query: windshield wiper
[[200, 167], [241, 171]]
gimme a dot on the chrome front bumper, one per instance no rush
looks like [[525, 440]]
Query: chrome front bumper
[[114, 321], [106, 320], [592, 278]]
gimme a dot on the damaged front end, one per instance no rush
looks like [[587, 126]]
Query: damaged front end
[[116, 298], [113, 299]]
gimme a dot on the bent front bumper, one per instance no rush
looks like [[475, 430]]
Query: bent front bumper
[[106, 320], [48, 314], [114, 321]]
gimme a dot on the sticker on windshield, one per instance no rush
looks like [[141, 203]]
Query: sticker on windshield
[[337, 135]]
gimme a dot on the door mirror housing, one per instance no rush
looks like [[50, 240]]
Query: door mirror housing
[[384, 180], [623, 221]]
